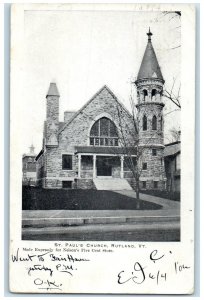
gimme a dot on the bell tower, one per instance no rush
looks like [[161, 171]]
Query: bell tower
[[150, 105]]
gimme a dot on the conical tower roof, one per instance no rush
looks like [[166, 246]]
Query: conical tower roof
[[53, 90], [149, 67]]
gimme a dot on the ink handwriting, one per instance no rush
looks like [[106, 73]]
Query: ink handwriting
[[144, 271]]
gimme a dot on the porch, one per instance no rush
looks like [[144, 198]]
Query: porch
[[102, 162]]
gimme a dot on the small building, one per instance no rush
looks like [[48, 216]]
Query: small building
[[29, 167], [172, 156]]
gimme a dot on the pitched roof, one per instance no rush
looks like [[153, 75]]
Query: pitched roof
[[149, 67], [88, 102], [53, 90], [105, 150], [172, 149], [61, 124]]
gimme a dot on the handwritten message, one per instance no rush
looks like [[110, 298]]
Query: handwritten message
[[48, 263], [50, 269], [143, 270]]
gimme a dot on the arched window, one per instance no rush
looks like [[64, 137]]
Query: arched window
[[154, 92], [144, 123], [104, 133], [154, 123], [145, 94]]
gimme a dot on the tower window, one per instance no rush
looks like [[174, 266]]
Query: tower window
[[66, 162], [144, 166], [154, 92], [154, 123], [144, 184], [161, 123], [145, 93], [144, 123], [154, 152], [155, 184]]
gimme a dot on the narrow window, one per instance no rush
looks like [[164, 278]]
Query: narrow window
[[161, 123], [154, 123], [155, 184], [154, 93], [145, 93], [144, 123], [101, 141], [66, 162], [144, 166], [144, 184], [154, 152], [116, 142], [91, 141]]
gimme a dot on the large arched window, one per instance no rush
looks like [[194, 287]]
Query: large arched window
[[154, 123], [104, 133], [144, 123]]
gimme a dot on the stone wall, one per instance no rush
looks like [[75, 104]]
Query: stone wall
[[85, 184], [77, 134]]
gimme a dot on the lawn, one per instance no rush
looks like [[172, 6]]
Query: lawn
[[57, 199]]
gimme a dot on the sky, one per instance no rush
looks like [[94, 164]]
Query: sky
[[84, 50]]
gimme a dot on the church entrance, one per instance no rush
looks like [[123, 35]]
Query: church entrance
[[103, 166]]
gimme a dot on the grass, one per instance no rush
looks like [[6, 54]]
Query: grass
[[57, 199]]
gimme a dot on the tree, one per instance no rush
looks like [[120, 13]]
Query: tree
[[175, 134], [130, 141], [132, 152], [173, 94]]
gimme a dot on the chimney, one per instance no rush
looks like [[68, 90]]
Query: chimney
[[68, 115]]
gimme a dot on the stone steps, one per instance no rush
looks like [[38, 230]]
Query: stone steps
[[112, 184]]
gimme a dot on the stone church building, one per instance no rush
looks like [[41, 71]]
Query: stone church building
[[102, 146]]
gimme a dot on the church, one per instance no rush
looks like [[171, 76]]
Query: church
[[103, 146]]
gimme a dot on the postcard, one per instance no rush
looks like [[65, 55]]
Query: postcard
[[102, 148]]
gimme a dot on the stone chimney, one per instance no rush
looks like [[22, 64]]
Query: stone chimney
[[68, 115]]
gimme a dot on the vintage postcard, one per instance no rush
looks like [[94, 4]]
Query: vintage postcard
[[102, 148]]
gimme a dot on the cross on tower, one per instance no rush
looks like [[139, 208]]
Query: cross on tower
[[149, 34]]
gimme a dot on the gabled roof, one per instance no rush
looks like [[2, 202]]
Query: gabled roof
[[53, 90], [87, 103], [172, 149], [149, 67]]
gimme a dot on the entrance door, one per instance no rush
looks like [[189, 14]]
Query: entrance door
[[104, 166]]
